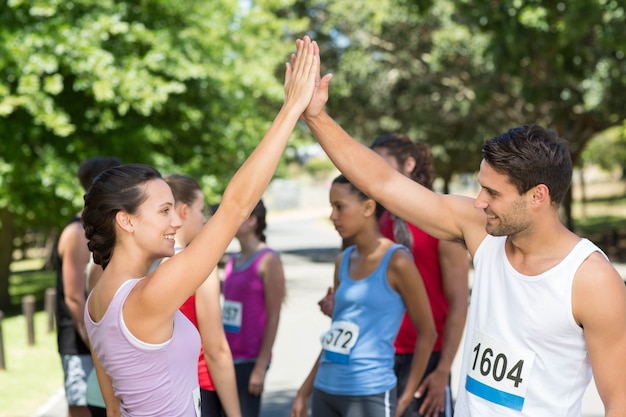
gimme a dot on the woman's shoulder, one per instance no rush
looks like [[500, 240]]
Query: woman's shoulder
[[266, 253], [400, 256]]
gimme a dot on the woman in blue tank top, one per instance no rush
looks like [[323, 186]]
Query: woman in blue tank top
[[375, 280]]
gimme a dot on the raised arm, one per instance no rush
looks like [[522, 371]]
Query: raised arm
[[172, 282], [445, 217]]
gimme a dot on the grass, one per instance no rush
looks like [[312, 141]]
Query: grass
[[600, 224], [33, 373]]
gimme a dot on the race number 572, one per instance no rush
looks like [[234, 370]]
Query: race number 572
[[339, 340]]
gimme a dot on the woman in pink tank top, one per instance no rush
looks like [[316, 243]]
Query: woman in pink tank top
[[254, 288]]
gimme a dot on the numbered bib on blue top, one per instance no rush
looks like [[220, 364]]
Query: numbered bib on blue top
[[231, 316], [339, 340]]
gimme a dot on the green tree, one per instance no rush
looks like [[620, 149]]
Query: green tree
[[405, 66], [607, 150], [559, 64], [184, 85], [457, 73]]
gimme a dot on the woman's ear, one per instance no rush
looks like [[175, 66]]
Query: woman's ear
[[181, 210], [124, 221], [370, 207], [253, 220], [409, 166]]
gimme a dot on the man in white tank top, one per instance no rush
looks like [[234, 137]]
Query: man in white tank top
[[547, 307]]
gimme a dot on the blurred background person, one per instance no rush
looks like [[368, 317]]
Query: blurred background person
[[254, 289]]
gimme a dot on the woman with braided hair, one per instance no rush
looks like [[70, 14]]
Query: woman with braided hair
[[145, 350]]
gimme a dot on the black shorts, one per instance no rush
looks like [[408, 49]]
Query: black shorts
[[324, 404]]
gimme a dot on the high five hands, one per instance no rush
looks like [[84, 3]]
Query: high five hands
[[319, 95]]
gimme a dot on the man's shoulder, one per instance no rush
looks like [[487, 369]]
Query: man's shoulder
[[596, 263], [72, 234]]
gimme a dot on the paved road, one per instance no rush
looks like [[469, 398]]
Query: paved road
[[309, 245]]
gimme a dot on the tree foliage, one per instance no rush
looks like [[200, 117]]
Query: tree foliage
[[607, 150], [561, 64], [185, 85], [455, 73], [191, 85]]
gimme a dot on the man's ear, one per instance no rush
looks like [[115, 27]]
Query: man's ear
[[124, 221], [409, 166], [540, 194]]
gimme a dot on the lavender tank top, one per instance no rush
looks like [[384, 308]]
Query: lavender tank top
[[149, 379]]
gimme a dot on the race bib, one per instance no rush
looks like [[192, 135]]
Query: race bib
[[196, 401], [231, 316], [499, 373], [338, 342]]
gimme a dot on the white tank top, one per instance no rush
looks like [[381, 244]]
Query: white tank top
[[524, 353]]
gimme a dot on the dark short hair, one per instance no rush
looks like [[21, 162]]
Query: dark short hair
[[116, 189], [90, 168], [531, 155]]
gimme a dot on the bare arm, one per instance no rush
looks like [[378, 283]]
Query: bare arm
[[160, 295], [454, 264], [216, 350], [111, 402], [404, 277], [599, 306], [300, 405], [301, 402], [443, 216], [73, 249], [271, 269]]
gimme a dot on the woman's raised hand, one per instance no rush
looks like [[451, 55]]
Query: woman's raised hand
[[301, 74]]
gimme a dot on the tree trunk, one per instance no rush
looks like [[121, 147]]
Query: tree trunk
[[7, 236]]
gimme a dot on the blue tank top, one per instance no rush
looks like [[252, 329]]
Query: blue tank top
[[358, 352]]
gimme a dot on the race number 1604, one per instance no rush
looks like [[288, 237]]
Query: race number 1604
[[496, 364]]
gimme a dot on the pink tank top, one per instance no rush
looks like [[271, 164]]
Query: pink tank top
[[149, 379], [244, 313]]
